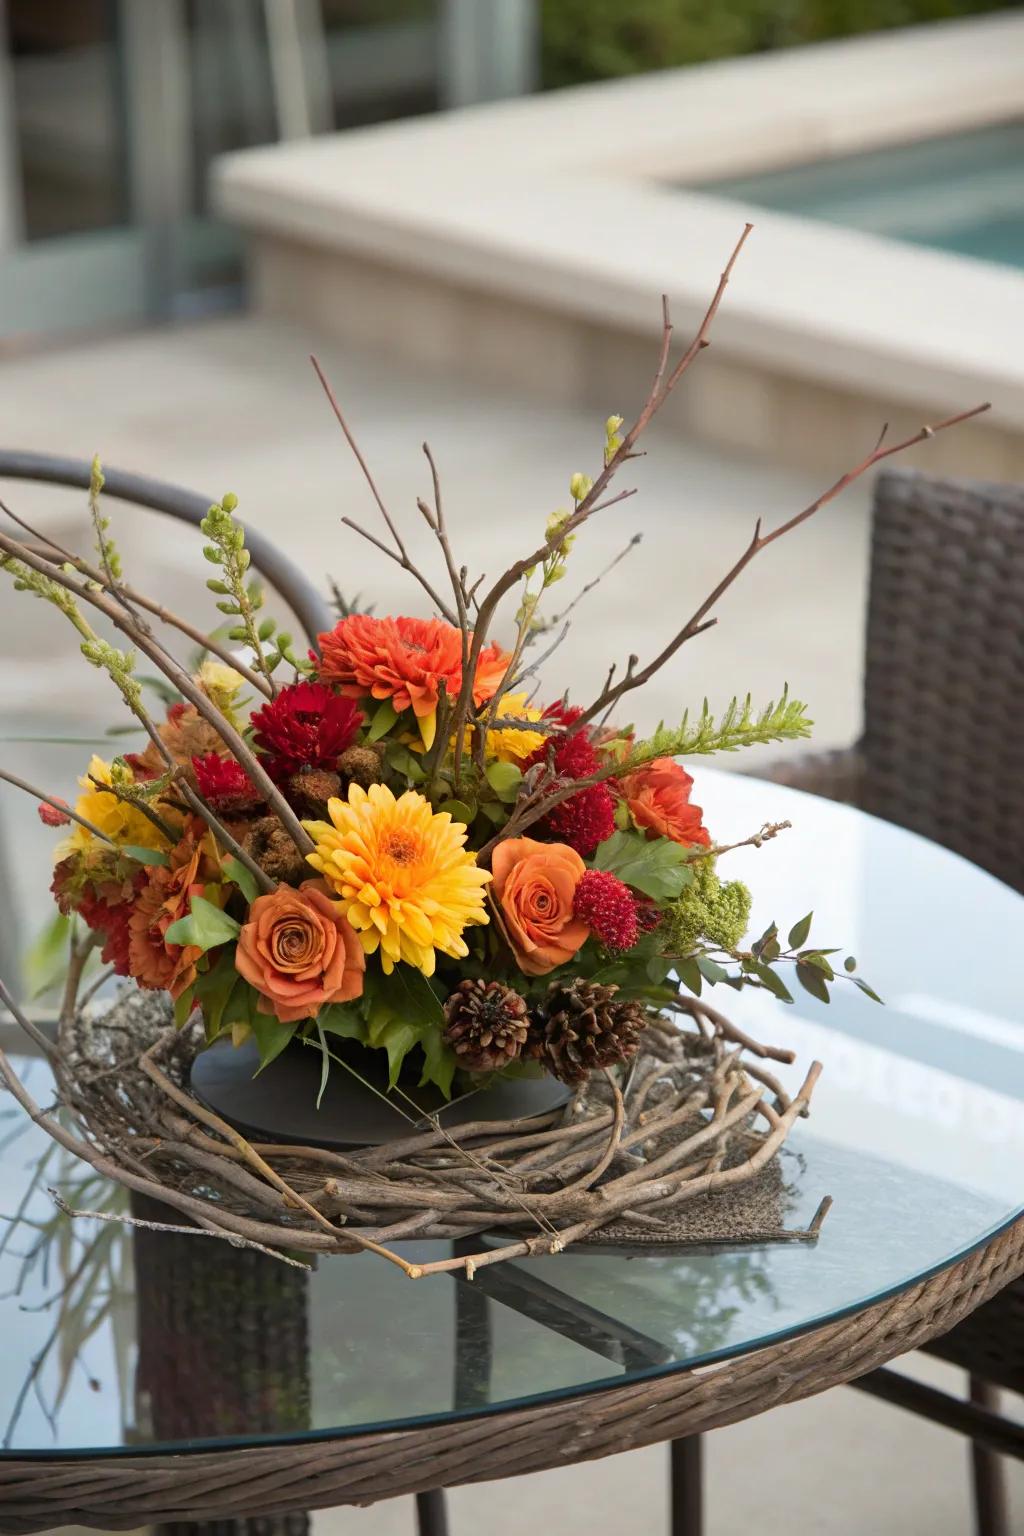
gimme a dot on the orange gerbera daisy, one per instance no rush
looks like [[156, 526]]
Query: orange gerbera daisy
[[407, 884], [406, 661]]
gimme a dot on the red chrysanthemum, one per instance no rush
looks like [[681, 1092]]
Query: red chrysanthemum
[[307, 725], [224, 783], [587, 818], [608, 908], [112, 922], [105, 908]]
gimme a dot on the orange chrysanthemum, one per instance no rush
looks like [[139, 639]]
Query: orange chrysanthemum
[[407, 884], [165, 896], [406, 661]]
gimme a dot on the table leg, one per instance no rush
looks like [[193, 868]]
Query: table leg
[[991, 1511], [686, 1510], [431, 1513]]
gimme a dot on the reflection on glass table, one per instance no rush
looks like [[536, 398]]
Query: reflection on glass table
[[915, 1134]]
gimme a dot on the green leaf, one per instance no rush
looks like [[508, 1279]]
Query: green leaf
[[384, 718], [271, 1036], [799, 931], [325, 1065], [242, 877], [688, 972], [710, 969], [145, 855], [398, 1039], [413, 998], [771, 933], [773, 982], [183, 1006], [205, 926], [812, 981], [849, 964], [439, 1061], [822, 964], [340, 1019], [458, 810], [46, 962], [214, 989], [658, 869], [504, 779], [494, 811], [657, 968], [859, 981], [402, 761]]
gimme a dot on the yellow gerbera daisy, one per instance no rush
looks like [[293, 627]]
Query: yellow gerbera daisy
[[123, 823], [509, 745], [407, 884]]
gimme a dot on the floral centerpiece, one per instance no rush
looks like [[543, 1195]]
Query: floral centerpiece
[[410, 836]]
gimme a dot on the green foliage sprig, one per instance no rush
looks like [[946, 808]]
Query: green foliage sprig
[[240, 598], [110, 559], [738, 727]]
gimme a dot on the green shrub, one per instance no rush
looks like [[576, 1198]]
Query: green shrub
[[600, 39]]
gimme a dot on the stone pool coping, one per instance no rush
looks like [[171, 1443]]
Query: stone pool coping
[[561, 203]]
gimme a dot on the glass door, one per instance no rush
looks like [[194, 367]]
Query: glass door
[[70, 253]]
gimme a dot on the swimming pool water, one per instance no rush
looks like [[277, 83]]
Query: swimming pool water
[[963, 193]]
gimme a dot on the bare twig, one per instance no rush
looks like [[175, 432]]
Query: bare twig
[[399, 554], [758, 542], [121, 1218], [658, 393], [57, 805], [141, 637], [138, 600]]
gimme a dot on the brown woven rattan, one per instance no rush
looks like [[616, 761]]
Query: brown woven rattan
[[943, 738], [119, 1493]]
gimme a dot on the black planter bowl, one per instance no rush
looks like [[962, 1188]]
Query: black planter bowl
[[279, 1105]]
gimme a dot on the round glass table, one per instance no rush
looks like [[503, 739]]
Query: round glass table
[[148, 1376]]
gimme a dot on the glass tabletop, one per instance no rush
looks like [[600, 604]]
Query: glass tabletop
[[133, 1340]]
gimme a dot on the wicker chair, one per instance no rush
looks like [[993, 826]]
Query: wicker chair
[[941, 754]]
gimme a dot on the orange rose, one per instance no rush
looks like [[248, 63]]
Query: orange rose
[[299, 952], [658, 798], [535, 884]]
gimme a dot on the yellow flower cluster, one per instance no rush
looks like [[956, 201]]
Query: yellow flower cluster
[[507, 744], [122, 822]]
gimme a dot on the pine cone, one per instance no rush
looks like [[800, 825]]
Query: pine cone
[[580, 1027], [487, 1025], [310, 789], [361, 765], [271, 846]]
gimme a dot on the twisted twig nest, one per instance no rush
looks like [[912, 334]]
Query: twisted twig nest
[[694, 1117]]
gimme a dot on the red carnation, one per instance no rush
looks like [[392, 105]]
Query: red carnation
[[224, 783], [608, 908], [587, 818], [50, 816], [307, 725]]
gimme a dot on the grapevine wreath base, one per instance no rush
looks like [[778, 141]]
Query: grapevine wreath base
[[680, 1148]]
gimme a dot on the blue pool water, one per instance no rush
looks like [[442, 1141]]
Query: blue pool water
[[963, 194]]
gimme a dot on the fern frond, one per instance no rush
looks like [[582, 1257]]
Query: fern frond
[[739, 726]]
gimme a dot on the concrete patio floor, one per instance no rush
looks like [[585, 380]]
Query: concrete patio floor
[[234, 405]]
